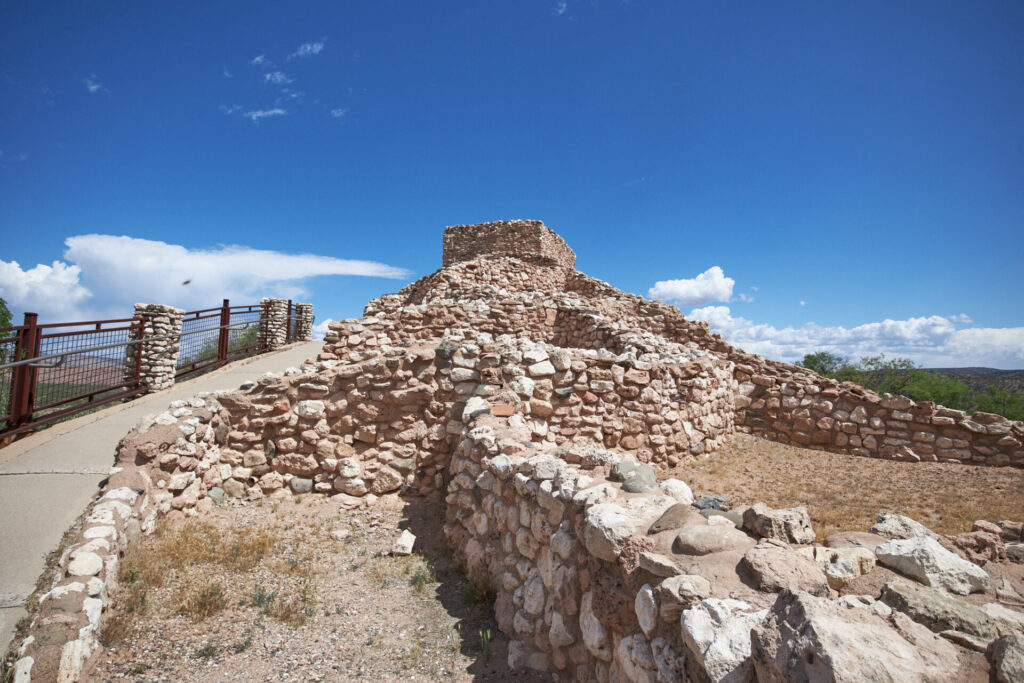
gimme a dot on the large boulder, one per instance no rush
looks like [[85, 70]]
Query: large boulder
[[792, 525], [774, 567], [805, 638], [941, 612], [923, 559], [897, 526], [717, 636]]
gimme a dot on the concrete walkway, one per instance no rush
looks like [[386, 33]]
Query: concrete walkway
[[48, 478]]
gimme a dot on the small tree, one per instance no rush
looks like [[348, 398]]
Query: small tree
[[823, 362], [5, 316]]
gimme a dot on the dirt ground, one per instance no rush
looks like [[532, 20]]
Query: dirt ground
[[301, 590], [846, 492]]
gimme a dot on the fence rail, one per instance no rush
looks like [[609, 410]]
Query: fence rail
[[53, 371]]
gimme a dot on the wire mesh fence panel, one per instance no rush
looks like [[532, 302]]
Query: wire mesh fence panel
[[200, 336], [8, 345], [244, 332], [83, 373]]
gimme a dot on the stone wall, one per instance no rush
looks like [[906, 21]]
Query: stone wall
[[303, 322], [273, 332], [155, 358], [792, 405], [530, 241]]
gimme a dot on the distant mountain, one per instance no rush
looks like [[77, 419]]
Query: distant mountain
[[979, 378]]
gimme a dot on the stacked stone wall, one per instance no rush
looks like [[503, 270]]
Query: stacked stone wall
[[303, 322], [791, 405], [273, 333], [530, 241], [156, 357]]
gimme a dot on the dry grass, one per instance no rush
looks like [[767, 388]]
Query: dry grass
[[150, 561], [322, 599], [846, 492]]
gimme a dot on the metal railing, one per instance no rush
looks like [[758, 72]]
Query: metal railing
[[217, 336], [49, 372], [54, 371]]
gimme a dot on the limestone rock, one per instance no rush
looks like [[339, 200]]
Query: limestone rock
[[805, 638], [702, 540], [85, 564], [897, 527], [673, 518], [841, 565], [607, 528], [387, 480], [404, 543], [646, 609], [940, 612], [679, 593], [775, 567], [475, 407], [1007, 657], [923, 559], [677, 489], [595, 636], [792, 525], [854, 539], [636, 477], [716, 634]]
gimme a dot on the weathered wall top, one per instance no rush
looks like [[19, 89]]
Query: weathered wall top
[[530, 241]]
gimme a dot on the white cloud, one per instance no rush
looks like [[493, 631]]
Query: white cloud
[[230, 110], [803, 303], [561, 7], [320, 328], [308, 49], [961, 318], [53, 291], [103, 275], [277, 78], [228, 74], [93, 85], [932, 341], [338, 113], [258, 114], [745, 298], [259, 60], [711, 285]]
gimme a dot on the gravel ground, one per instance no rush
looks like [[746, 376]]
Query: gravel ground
[[342, 608], [846, 492]]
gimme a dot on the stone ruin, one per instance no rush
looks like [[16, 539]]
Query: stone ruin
[[538, 401]]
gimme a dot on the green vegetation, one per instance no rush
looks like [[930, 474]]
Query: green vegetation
[[5, 316], [902, 376]]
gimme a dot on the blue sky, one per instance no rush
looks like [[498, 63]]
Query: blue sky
[[803, 175]]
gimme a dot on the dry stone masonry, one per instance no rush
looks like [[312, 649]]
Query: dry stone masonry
[[537, 401], [155, 357]]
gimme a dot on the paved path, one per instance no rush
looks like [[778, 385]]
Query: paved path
[[48, 478]]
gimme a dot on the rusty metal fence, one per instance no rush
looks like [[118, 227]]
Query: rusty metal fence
[[50, 372], [214, 336]]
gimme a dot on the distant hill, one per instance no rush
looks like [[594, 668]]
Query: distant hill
[[979, 378]]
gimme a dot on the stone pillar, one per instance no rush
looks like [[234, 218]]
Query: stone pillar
[[273, 323], [156, 357], [303, 322]]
